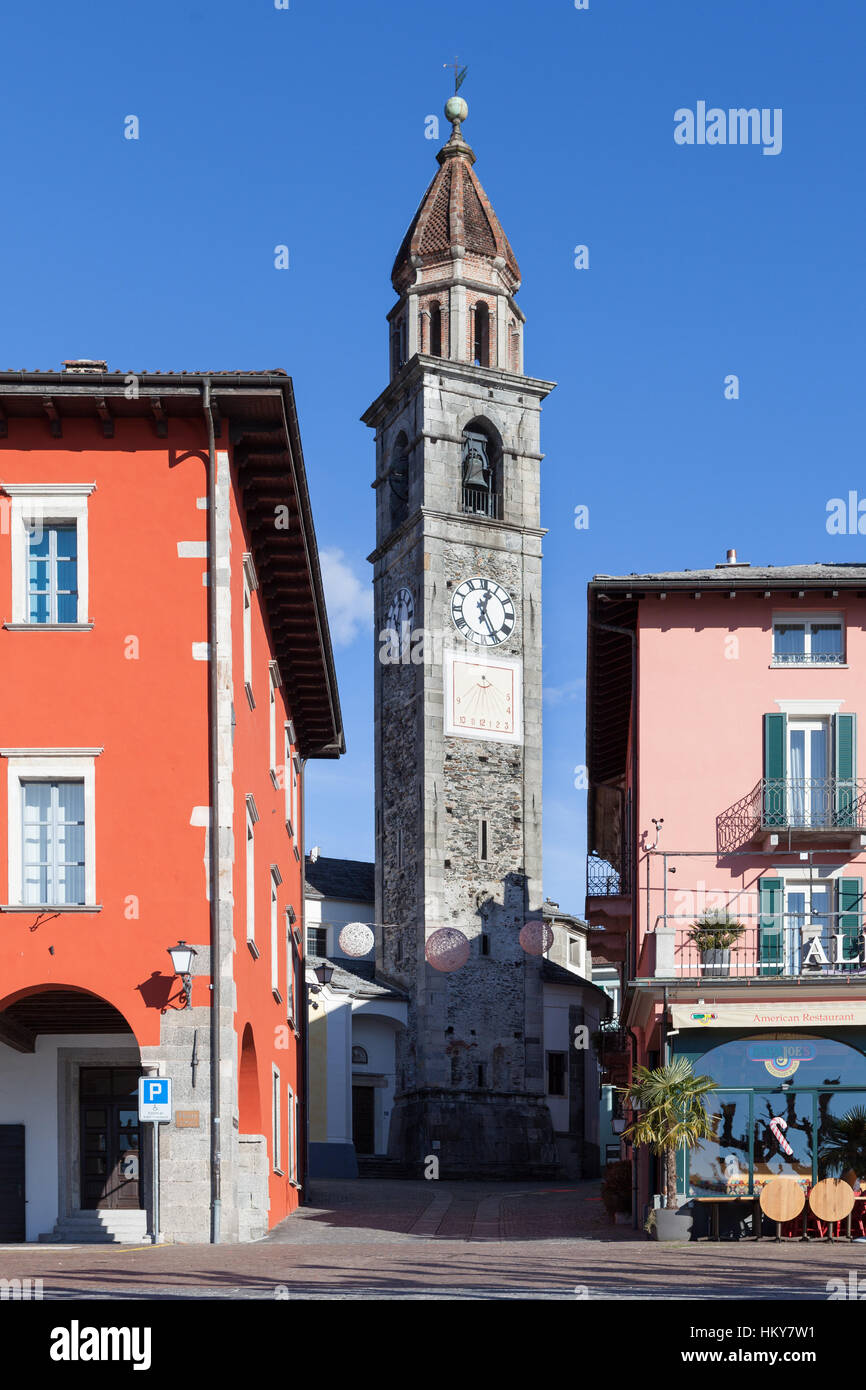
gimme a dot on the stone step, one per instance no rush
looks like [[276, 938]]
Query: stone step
[[381, 1167], [98, 1228]]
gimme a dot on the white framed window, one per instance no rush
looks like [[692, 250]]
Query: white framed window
[[577, 953], [251, 583], [291, 971], [808, 639], [275, 1121], [50, 571], [293, 1135], [317, 941], [276, 880], [295, 773], [52, 827], [252, 818], [274, 682]]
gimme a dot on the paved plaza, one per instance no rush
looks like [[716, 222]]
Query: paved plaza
[[436, 1240]]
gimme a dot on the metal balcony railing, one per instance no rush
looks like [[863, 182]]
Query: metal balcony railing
[[794, 803], [479, 501], [803, 945], [808, 658], [603, 880]]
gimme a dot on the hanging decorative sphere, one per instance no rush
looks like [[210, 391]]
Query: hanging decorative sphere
[[356, 939], [536, 938], [447, 949]]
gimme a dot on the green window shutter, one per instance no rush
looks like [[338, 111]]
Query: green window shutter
[[775, 771], [850, 918], [845, 756], [771, 946]]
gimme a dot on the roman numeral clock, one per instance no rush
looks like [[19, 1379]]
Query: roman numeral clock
[[483, 694]]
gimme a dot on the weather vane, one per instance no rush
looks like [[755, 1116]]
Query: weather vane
[[459, 73]]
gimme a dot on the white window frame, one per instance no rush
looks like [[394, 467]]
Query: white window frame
[[276, 880], [292, 1135], [794, 619], [48, 504], [291, 973], [252, 819], [274, 682], [295, 776], [50, 765], [251, 583], [276, 1119]]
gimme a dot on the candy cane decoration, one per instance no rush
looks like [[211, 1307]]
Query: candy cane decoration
[[777, 1124]]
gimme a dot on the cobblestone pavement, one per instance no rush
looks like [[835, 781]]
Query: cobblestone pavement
[[416, 1240]]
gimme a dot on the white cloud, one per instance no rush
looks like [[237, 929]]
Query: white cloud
[[564, 694], [349, 601]]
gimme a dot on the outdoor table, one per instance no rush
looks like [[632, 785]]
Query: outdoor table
[[722, 1200], [782, 1200], [831, 1201]]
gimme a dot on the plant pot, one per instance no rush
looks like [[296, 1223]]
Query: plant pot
[[673, 1225], [716, 964]]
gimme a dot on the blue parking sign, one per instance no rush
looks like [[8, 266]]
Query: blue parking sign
[[154, 1099]]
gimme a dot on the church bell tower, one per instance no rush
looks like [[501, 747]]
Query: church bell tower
[[457, 583]]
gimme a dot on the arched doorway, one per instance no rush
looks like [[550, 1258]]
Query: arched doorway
[[249, 1094], [70, 1143]]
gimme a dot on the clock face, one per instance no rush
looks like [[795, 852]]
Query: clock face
[[483, 612], [483, 697], [400, 616]]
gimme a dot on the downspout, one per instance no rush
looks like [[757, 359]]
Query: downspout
[[213, 730]]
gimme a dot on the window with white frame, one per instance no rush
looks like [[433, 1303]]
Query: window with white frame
[[293, 1136], [252, 818], [273, 683], [291, 971], [48, 526], [250, 585], [51, 820], [808, 639], [276, 880], [296, 781], [275, 1121]]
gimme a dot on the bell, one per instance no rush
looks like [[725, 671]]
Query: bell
[[475, 469]]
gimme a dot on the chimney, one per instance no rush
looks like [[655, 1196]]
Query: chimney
[[80, 365], [731, 562], [314, 854]]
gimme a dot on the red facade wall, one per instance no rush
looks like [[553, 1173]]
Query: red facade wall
[[132, 686]]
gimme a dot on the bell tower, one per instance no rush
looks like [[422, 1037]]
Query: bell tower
[[457, 584]]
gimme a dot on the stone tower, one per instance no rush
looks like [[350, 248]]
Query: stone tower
[[457, 583]]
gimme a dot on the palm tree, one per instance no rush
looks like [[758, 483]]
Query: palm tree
[[843, 1143], [670, 1114]]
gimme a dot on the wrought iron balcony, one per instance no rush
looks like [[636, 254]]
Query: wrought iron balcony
[[805, 805], [603, 880], [480, 501], [802, 945], [808, 658]]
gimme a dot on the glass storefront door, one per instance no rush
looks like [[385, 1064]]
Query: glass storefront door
[[783, 1128]]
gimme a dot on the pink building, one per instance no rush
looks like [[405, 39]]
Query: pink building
[[727, 820]]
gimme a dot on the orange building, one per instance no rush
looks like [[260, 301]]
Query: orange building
[[166, 669]]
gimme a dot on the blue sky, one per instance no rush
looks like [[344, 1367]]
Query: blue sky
[[305, 127]]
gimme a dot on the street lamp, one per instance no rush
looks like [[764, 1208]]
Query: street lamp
[[181, 959]]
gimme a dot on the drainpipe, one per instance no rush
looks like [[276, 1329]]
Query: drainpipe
[[213, 696]]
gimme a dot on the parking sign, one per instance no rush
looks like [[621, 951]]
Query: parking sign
[[154, 1099]]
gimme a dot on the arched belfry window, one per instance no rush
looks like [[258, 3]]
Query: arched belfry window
[[481, 348], [481, 470], [398, 481], [435, 329], [398, 344], [359, 1055]]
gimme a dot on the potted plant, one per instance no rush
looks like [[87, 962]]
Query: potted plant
[[670, 1115], [714, 934], [616, 1191]]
